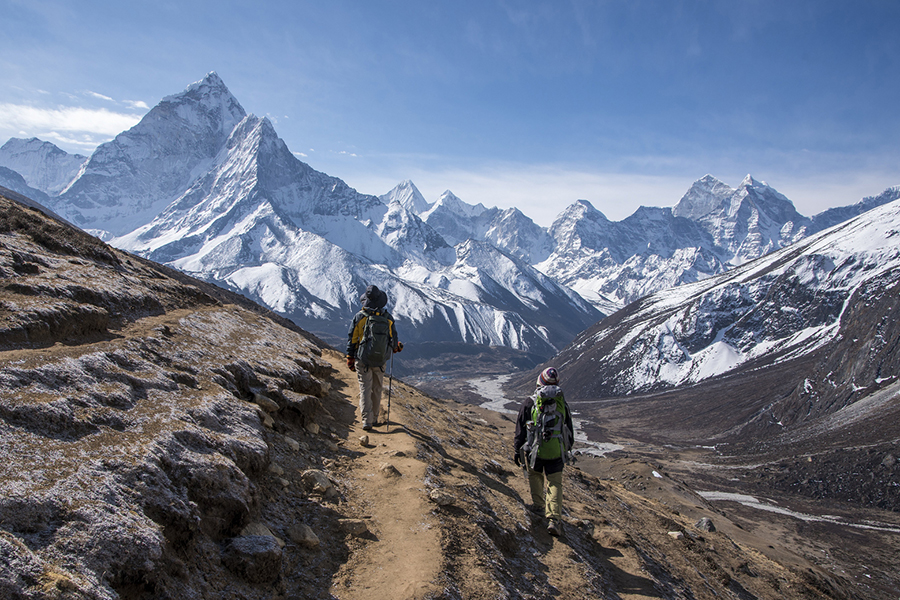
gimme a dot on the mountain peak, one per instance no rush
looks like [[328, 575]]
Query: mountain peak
[[452, 202], [706, 195], [207, 102], [748, 181], [580, 209], [42, 165], [408, 195], [211, 83]]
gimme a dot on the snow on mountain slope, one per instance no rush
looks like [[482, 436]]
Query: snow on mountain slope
[[776, 308], [12, 180], [129, 180], [409, 196], [200, 184], [456, 220], [43, 165], [414, 239], [758, 220], [515, 233], [614, 263], [254, 168]]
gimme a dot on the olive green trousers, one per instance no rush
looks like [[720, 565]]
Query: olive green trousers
[[551, 500]]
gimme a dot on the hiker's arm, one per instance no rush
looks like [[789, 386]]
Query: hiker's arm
[[522, 425], [396, 346], [354, 335]]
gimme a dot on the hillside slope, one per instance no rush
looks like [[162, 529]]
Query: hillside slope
[[162, 439]]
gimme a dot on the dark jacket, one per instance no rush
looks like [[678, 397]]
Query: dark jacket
[[358, 328]]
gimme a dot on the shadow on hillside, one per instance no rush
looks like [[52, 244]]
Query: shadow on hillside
[[486, 480]]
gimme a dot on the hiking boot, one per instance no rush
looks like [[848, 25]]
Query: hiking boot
[[367, 427], [554, 528]]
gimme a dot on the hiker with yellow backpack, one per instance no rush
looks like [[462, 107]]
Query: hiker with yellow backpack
[[371, 341], [543, 444]]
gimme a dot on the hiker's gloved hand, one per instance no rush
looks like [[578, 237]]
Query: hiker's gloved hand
[[399, 347], [517, 458], [351, 363]]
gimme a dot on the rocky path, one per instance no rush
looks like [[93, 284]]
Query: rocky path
[[401, 555]]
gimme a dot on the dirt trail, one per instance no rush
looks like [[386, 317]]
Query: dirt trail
[[402, 556], [417, 549]]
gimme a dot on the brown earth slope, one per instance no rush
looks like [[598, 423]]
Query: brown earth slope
[[164, 439]]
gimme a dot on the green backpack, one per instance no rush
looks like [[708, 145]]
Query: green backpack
[[548, 437]]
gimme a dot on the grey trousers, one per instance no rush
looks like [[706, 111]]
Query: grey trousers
[[371, 380]]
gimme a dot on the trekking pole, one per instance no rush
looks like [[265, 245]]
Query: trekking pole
[[390, 382]]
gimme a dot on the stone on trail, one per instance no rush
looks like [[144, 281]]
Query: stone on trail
[[389, 470], [441, 498], [317, 480], [354, 527], [303, 535], [256, 558]]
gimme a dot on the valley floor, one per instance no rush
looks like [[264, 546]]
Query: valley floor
[[854, 543]]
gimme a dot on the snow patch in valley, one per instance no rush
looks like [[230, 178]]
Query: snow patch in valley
[[768, 506]]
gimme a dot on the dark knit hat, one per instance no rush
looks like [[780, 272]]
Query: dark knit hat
[[373, 298], [548, 376]]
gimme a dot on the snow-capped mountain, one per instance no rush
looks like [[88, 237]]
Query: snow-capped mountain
[[42, 165], [612, 263], [409, 197], [202, 185], [128, 181], [215, 192], [711, 229], [12, 180], [827, 302]]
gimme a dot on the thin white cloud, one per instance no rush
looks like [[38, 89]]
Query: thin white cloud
[[99, 96], [85, 142], [96, 121], [137, 104]]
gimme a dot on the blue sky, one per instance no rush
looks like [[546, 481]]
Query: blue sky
[[510, 103]]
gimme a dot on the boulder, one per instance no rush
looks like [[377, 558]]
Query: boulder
[[441, 498], [705, 524], [255, 558], [354, 527], [317, 480], [303, 535]]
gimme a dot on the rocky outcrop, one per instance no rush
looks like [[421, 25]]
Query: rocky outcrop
[[135, 446]]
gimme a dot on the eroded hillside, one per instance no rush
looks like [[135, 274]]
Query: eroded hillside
[[162, 438]]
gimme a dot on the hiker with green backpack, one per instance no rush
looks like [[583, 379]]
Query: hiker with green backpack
[[371, 341], [543, 444]]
